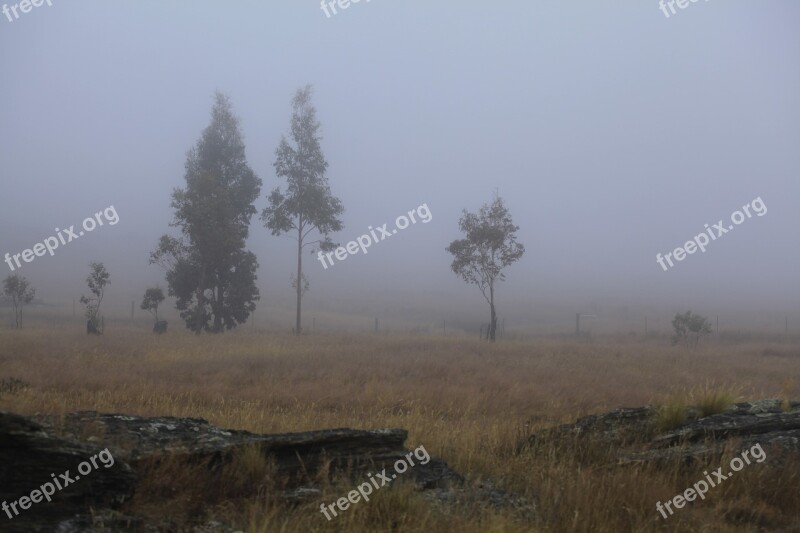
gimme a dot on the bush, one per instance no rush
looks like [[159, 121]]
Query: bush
[[689, 327]]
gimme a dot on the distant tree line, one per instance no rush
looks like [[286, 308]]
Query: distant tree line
[[210, 272]]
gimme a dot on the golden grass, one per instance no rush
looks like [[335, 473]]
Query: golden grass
[[708, 399], [465, 401], [671, 414], [711, 399]]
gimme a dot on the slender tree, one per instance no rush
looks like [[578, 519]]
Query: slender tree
[[18, 289], [307, 205], [209, 271], [490, 245], [96, 280]]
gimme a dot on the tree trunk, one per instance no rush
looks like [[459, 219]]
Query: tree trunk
[[218, 308], [493, 323], [201, 303], [299, 282]]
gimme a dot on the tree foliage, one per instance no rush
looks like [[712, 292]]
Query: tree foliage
[[97, 280], [152, 299], [689, 328], [489, 246], [209, 271], [307, 204], [18, 289]]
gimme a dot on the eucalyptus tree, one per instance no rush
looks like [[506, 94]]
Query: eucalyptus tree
[[306, 208], [489, 245]]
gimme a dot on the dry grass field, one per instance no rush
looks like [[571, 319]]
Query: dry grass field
[[466, 401]]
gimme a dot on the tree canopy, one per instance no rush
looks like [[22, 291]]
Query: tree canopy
[[489, 246], [209, 271], [18, 289]]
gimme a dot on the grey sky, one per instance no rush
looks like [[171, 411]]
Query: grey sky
[[612, 132]]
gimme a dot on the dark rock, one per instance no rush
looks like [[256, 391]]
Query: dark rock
[[135, 439], [28, 457], [744, 419], [303, 462], [739, 428], [633, 436], [618, 428]]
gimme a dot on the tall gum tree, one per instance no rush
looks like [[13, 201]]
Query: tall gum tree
[[209, 271], [307, 205]]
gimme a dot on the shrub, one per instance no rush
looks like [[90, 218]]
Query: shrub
[[689, 327]]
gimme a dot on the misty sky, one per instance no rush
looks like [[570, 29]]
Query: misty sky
[[612, 133]]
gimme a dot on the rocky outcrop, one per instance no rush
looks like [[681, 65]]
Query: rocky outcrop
[[30, 449], [299, 456], [634, 435], [741, 427]]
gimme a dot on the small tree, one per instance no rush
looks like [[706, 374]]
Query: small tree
[[97, 281], [307, 204], [689, 327], [490, 246], [21, 293], [152, 299]]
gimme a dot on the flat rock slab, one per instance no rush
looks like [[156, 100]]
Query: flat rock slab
[[634, 437], [136, 439]]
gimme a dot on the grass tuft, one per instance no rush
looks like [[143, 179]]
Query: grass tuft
[[671, 415], [711, 399]]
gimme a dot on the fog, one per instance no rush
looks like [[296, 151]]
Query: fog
[[612, 132]]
